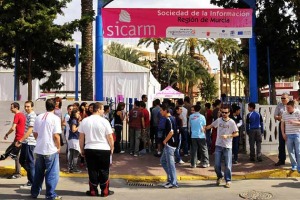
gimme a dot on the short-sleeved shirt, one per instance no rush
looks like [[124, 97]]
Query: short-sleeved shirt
[[73, 135], [67, 117], [30, 119], [135, 118], [146, 117], [95, 128], [184, 116], [224, 128], [46, 125], [155, 116], [58, 112], [279, 110], [20, 121], [171, 126], [197, 122], [291, 128]]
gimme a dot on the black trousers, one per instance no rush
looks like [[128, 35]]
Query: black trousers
[[281, 147], [98, 162]]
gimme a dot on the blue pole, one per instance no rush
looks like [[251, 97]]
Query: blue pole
[[76, 72], [99, 54], [253, 65], [253, 86], [269, 74]]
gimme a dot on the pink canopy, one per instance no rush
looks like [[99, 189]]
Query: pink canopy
[[169, 92]]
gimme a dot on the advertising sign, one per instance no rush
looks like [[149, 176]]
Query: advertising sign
[[182, 23]]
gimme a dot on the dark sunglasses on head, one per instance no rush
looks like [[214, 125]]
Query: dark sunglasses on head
[[283, 98], [225, 112]]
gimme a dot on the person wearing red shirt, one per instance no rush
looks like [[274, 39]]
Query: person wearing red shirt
[[146, 129], [135, 128], [19, 128]]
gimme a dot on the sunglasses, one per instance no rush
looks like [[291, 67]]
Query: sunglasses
[[225, 112], [283, 98]]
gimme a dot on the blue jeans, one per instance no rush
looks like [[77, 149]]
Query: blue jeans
[[46, 166], [293, 146], [26, 160], [168, 163], [185, 139], [227, 154], [177, 151]]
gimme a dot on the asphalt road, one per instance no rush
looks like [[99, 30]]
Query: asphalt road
[[74, 188]]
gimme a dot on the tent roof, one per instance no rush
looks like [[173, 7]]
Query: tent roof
[[169, 92], [113, 64]]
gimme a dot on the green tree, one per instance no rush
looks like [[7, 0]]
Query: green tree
[[187, 46], [28, 26], [208, 88], [277, 27], [190, 72], [120, 51], [221, 47], [156, 44]]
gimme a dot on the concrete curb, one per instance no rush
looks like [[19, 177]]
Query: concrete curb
[[276, 173]]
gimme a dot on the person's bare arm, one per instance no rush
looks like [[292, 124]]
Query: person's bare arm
[[81, 143], [110, 140], [170, 134], [12, 129], [26, 135], [283, 130], [56, 139], [234, 134]]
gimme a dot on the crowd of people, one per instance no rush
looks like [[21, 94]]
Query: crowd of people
[[170, 130]]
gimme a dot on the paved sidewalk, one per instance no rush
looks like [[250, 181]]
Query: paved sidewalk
[[148, 168]]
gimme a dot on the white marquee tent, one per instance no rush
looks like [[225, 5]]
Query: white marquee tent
[[120, 78]]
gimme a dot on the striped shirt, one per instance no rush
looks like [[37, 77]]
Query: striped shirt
[[30, 118], [291, 128]]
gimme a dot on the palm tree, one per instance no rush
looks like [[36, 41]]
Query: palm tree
[[87, 15], [156, 43], [191, 46], [120, 51], [187, 46], [221, 47], [190, 71]]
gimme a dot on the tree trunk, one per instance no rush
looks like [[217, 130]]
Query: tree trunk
[[235, 76], [192, 51], [230, 93], [29, 76], [221, 75], [17, 73], [239, 83], [226, 81], [273, 93], [87, 52]]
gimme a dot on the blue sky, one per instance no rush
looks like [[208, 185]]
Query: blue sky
[[73, 11]]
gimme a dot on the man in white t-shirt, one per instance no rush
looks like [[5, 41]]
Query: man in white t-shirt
[[97, 146], [226, 130], [46, 130]]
